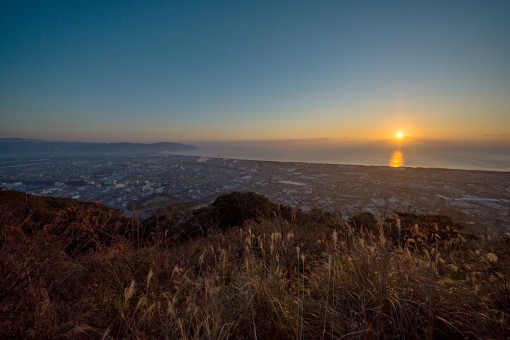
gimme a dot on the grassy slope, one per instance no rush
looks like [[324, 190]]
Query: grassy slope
[[244, 267]]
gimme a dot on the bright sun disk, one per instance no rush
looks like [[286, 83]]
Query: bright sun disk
[[400, 134]]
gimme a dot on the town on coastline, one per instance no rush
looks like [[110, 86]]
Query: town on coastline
[[142, 183]]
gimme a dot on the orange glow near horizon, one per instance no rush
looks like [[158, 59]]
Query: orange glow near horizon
[[397, 159]]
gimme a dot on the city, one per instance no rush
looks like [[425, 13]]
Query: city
[[142, 183]]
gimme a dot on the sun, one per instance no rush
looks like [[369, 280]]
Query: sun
[[399, 135]]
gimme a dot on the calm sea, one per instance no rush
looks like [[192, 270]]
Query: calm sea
[[492, 156]]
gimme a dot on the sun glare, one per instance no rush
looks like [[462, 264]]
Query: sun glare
[[400, 135]]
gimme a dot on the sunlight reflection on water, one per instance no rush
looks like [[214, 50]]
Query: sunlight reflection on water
[[397, 159]]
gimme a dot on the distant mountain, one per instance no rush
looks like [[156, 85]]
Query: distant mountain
[[134, 147], [12, 147]]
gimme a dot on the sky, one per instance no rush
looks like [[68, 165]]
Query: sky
[[254, 70]]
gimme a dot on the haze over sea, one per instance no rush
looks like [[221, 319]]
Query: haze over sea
[[467, 155]]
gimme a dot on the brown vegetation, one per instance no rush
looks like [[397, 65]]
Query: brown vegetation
[[246, 268]]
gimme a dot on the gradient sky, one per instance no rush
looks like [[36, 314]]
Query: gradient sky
[[231, 70]]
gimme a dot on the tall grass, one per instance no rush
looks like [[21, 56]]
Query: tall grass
[[267, 279]]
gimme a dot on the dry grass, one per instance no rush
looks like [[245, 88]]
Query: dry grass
[[267, 279]]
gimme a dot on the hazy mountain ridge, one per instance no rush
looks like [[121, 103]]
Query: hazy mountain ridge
[[24, 147]]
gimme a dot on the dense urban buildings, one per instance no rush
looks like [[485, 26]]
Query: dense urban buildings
[[141, 183]]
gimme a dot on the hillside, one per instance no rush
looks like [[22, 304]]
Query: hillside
[[244, 267]]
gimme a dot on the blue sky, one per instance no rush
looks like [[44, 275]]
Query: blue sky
[[227, 70]]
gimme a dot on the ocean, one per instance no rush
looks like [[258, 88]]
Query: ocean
[[467, 155]]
